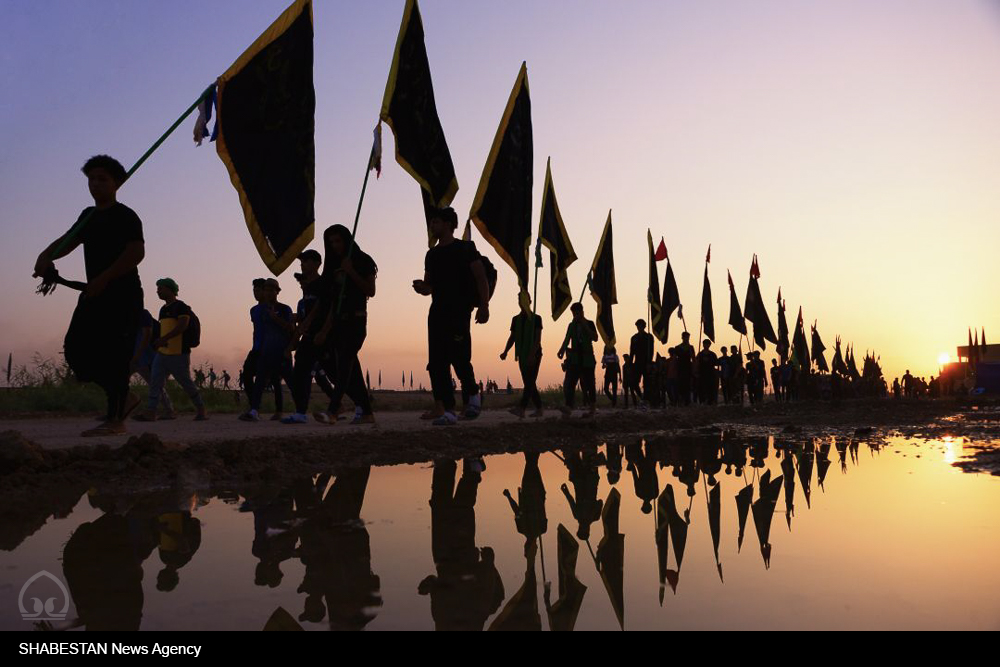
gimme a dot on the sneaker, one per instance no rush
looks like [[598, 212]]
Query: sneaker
[[362, 419], [296, 418], [474, 407], [447, 419], [249, 416], [323, 418], [517, 412], [538, 414]]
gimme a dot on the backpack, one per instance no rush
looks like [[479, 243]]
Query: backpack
[[192, 335], [491, 277]]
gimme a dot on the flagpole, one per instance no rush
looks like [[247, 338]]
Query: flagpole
[[354, 230], [75, 231]]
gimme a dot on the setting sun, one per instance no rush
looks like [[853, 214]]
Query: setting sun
[[944, 359]]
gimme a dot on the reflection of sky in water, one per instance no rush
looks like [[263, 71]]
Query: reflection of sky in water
[[893, 538]]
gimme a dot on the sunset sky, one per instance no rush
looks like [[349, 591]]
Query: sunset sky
[[854, 146]]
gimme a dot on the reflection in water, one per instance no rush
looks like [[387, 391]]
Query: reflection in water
[[316, 526]]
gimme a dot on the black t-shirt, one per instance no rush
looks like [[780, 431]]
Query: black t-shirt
[[355, 300], [641, 349], [315, 299], [451, 280], [104, 238], [707, 361]]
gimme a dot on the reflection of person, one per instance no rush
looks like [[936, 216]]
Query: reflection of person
[[180, 537], [529, 508], [104, 575], [336, 552], [102, 333], [642, 465], [586, 479], [466, 589]]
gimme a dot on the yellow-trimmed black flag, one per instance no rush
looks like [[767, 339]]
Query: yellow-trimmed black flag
[[266, 115], [657, 323], [501, 210], [552, 234], [602, 285], [408, 108]]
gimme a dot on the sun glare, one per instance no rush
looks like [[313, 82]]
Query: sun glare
[[944, 359]]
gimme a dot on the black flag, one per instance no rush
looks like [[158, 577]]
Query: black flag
[[783, 342], [602, 285], [266, 114], [553, 236], [502, 207], [838, 360], [817, 350], [707, 315], [799, 344], [736, 320], [671, 299], [408, 108], [658, 324], [754, 310]]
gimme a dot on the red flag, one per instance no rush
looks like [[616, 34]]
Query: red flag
[[661, 252]]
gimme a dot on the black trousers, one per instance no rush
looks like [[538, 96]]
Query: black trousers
[[588, 384], [449, 343], [348, 337], [250, 374], [307, 355], [529, 375], [611, 389]]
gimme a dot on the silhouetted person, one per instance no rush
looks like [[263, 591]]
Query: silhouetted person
[[578, 348], [612, 373], [708, 378], [641, 349], [102, 333], [526, 339]]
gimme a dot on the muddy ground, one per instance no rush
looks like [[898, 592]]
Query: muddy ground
[[38, 483]]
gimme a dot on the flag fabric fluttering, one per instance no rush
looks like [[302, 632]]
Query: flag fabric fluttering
[[501, 210], [205, 107], [671, 299], [657, 323], [783, 342], [552, 234], [266, 135], [800, 345], [736, 320], [754, 310], [818, 349], [409, 109], [661, 250], [376, 159], [602, 285], [972, 350], [467, 234], [838, 365], [852, 365], [707, 314]]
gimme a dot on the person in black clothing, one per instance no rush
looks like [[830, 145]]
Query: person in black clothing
[[455, 279], [708, 377], [102, 333], [685, 363], [312, 313], [350, 273], [580, 364], [641, 349], [526, 339]]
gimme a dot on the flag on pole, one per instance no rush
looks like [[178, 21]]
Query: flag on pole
[[552, 234], [818, 349], [783, 342], [671, 299], [266, 124], [376, 160], [409, 109], [852, 365], [661, 251], [467, 234], [736, 320], [799, 342], [10, 364], [657, 325], [707, 314], [501, 210], [838, 360], [602, 285], [380, 379], [754, 310]]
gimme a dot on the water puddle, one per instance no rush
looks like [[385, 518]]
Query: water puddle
[[696, 533]]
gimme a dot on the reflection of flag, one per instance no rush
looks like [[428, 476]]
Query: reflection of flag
[[602, 285], [736, 320], [409, 109], [707, 315], [502, 207], [817, 351], [266, 117], [552, 234], [658, 326]]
